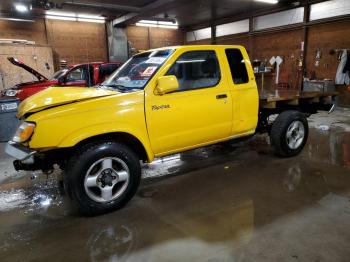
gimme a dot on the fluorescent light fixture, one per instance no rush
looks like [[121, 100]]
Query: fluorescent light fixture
[[90, 20], [58, 13], [21, 8], [268, 1], [96, 17], [148, 22], [159, 24], [65, 18], [69, 16], [145, 25]]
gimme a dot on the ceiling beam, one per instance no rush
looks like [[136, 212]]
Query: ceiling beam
[[158, 6], [252, 13], [102, 5]]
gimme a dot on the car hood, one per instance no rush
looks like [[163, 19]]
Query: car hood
[[29, 69], [55, 96]]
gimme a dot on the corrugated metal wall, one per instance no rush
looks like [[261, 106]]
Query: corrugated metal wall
[[288, 17], [329, 9]]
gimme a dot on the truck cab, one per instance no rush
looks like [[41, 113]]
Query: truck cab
[[201, 110], [160, 102]]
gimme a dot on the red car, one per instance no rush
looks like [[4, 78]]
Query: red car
[[84, 75]]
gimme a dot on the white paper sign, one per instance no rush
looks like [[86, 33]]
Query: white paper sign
[[155, 60]]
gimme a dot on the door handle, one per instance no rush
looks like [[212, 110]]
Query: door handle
[[223, 96]]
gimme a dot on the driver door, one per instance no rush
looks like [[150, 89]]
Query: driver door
[[199, 113]]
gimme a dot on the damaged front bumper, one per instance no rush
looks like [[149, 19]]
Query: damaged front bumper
[[26, 158], [20, 152]]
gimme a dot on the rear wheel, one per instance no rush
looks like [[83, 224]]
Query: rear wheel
[[103, 177], [289, 133]]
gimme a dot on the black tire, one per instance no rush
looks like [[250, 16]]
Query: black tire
[[278, 134], [85, 157]]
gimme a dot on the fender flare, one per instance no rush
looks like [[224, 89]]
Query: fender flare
[[85, 133]]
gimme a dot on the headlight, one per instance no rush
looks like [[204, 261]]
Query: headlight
[[24, 131], [11, 92]]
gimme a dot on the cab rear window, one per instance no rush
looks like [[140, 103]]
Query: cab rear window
[[237, 65]]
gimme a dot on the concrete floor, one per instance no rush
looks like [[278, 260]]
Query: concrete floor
[[221, 203]]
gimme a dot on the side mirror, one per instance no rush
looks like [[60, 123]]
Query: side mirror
[[166, 84]]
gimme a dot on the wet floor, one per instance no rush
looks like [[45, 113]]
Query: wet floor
[[221, 203]]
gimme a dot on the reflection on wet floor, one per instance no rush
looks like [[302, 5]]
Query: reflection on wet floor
[[228, 202]]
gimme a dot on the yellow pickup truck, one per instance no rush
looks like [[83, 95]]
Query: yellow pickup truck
[[160, 102]]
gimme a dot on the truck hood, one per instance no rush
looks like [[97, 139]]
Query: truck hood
[[55, 96], [29, 69]]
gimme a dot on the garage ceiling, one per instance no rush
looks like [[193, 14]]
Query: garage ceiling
[[187, 13]]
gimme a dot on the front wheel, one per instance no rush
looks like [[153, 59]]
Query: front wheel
[[102, 177], [289, 133]]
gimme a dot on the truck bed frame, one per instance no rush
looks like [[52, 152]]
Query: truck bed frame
[[293, 98], [271, 103]]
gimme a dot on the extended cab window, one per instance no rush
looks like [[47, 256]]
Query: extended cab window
[[196, 69], [237, 65]]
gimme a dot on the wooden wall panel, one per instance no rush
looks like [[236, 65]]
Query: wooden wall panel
[[34, 56]]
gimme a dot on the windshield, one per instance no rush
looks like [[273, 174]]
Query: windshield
[[136, 73], [58, 74]]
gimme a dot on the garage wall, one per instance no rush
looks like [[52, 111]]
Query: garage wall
[[144, 38], [287, 45], [241, 39], [24, 30], [324, 38], [75, 42], [200, 42]]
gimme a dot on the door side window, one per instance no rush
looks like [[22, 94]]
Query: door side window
[[196, 69], [237, 65], [77, 74], [82, 73]]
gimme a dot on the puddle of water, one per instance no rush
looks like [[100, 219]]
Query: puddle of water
[[27, 195], [331, 146]]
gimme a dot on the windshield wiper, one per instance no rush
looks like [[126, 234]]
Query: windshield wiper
[[119, 87]]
